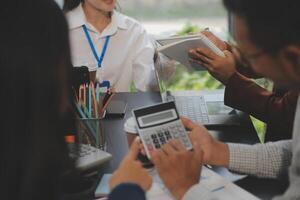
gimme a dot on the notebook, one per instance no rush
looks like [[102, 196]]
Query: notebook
[[177, 48]]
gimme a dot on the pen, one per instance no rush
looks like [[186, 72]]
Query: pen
[[208, 166], [90, 100], [97, 92], [94, 100], [107, 102], [217, 189], [84, 95], [75, 94], [80, 95]]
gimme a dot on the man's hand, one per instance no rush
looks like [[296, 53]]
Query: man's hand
[[215, 152], [178, 168], [131, 170], [217, 41], [219, 67], [222, 68]]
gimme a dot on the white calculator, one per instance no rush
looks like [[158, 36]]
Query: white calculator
[[159, 123], [88, 157]]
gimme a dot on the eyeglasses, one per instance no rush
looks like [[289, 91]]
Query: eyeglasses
[[252, 57], [248, 58]]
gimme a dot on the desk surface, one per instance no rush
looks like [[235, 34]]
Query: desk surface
[[118, 147]]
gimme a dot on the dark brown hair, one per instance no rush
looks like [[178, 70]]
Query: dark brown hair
[[34, 78], [70, 4]]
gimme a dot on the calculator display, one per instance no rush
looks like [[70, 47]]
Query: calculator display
[[157, 118]]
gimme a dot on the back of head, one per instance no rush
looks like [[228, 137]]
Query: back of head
[[272, 24], [71, 4], [34, 69]]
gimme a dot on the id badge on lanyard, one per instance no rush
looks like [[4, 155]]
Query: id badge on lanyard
[[99, 59]]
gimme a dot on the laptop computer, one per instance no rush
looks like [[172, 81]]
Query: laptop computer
[[206, 108]]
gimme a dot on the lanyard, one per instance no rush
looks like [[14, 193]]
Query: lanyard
[[99, 59]]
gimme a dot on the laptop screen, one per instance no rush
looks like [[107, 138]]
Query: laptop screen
[[165, 70]]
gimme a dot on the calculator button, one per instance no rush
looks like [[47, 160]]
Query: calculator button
[[169, 137], [160, 134], [150, 147], [155, 141], [162, 139], [157, 146], [185, 141], [153, 136], [176, 136], [183, 134], [82, 154]]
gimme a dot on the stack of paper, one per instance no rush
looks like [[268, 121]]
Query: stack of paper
[[212, 181]]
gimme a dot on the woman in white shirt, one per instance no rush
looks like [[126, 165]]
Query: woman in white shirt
[[114, 45]]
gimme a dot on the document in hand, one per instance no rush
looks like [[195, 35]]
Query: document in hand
[[177, 48]]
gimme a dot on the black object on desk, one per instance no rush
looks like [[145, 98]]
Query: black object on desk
[[80, 75], [116, 109]]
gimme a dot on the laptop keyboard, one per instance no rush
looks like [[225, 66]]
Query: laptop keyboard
[[193, 107]]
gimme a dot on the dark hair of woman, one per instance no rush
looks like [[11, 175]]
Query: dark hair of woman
[[35, 95], [70, 4]]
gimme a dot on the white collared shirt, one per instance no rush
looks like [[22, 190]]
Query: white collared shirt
[[129, 55]]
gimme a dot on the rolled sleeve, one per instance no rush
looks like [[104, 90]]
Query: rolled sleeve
[[238, 90], [127, 191]]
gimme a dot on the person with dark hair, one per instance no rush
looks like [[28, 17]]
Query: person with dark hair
[[114, 46], [276, 110], [35, 70], [268, 35], [34, 60]]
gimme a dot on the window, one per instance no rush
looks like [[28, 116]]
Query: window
[[170, 17], [167, 16]]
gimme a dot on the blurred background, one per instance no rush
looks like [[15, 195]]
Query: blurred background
[[163, 18]]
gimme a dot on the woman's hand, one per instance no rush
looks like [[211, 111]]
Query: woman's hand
[[131, 170]]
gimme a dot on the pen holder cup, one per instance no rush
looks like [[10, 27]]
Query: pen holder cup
[[91, 132]]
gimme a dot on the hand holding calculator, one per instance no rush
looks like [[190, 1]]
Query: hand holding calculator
[[159, 123]]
